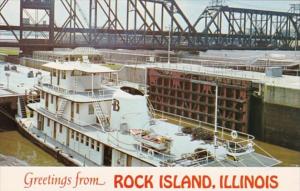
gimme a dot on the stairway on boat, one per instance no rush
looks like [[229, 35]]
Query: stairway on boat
[[101, 116], [22, 107], [61, 108]]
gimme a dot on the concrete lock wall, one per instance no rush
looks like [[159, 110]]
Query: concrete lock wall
[[282, 125], [132, 74], [281, 117], [282, 96]]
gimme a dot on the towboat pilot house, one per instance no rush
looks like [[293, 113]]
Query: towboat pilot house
[[84, 111]]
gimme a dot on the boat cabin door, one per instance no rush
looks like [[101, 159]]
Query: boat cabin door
[[54, 130], [47, 100], [72, 111], [58, 77], [107, 155]]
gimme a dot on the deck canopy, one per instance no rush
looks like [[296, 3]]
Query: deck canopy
[[78, 66]]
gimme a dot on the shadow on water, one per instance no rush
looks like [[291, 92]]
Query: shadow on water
[[15, 147], [6, 124]]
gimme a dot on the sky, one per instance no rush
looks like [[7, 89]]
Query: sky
[[191, 8]]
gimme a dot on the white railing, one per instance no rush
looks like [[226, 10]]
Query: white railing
[[209, 70], [235, 141], [99, 93], [96, 94], [244, 143]]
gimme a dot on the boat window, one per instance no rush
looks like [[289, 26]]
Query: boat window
[[77, 108], [87, 141], [60, 128], [98, 146], [91, 109], [72, 134], [82, 138], [79, 73], [92, 144], [64, 74], [77, 136]]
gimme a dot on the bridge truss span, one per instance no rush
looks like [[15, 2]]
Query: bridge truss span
[[142, 24]]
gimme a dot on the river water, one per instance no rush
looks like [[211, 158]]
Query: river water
[[288, 157], [16, 149]]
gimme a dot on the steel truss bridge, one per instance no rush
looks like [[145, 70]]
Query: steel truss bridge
[[141, 24]]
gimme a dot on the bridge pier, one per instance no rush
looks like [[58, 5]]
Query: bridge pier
[[36, 33]]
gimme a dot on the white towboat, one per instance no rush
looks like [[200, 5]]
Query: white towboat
[[91, 119]]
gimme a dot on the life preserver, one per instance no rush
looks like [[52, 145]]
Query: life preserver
[[250, 145], [150, 152], [234, 134]]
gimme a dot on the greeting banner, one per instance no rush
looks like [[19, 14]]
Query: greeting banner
[[146, 179]]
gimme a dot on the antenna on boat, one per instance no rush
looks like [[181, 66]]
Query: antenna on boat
[[216, 117]]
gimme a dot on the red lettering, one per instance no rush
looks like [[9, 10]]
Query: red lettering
[[259, 182], [274, 183], [226, 184], [234, 185], [221, 181], [118, 181], [167, 181], [128, 182], [28, 181], [206, 182], [249, 182], [148, 182], [133, 182]]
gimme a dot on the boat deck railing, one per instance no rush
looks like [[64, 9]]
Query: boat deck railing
[[103, 93], [236, 142]]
